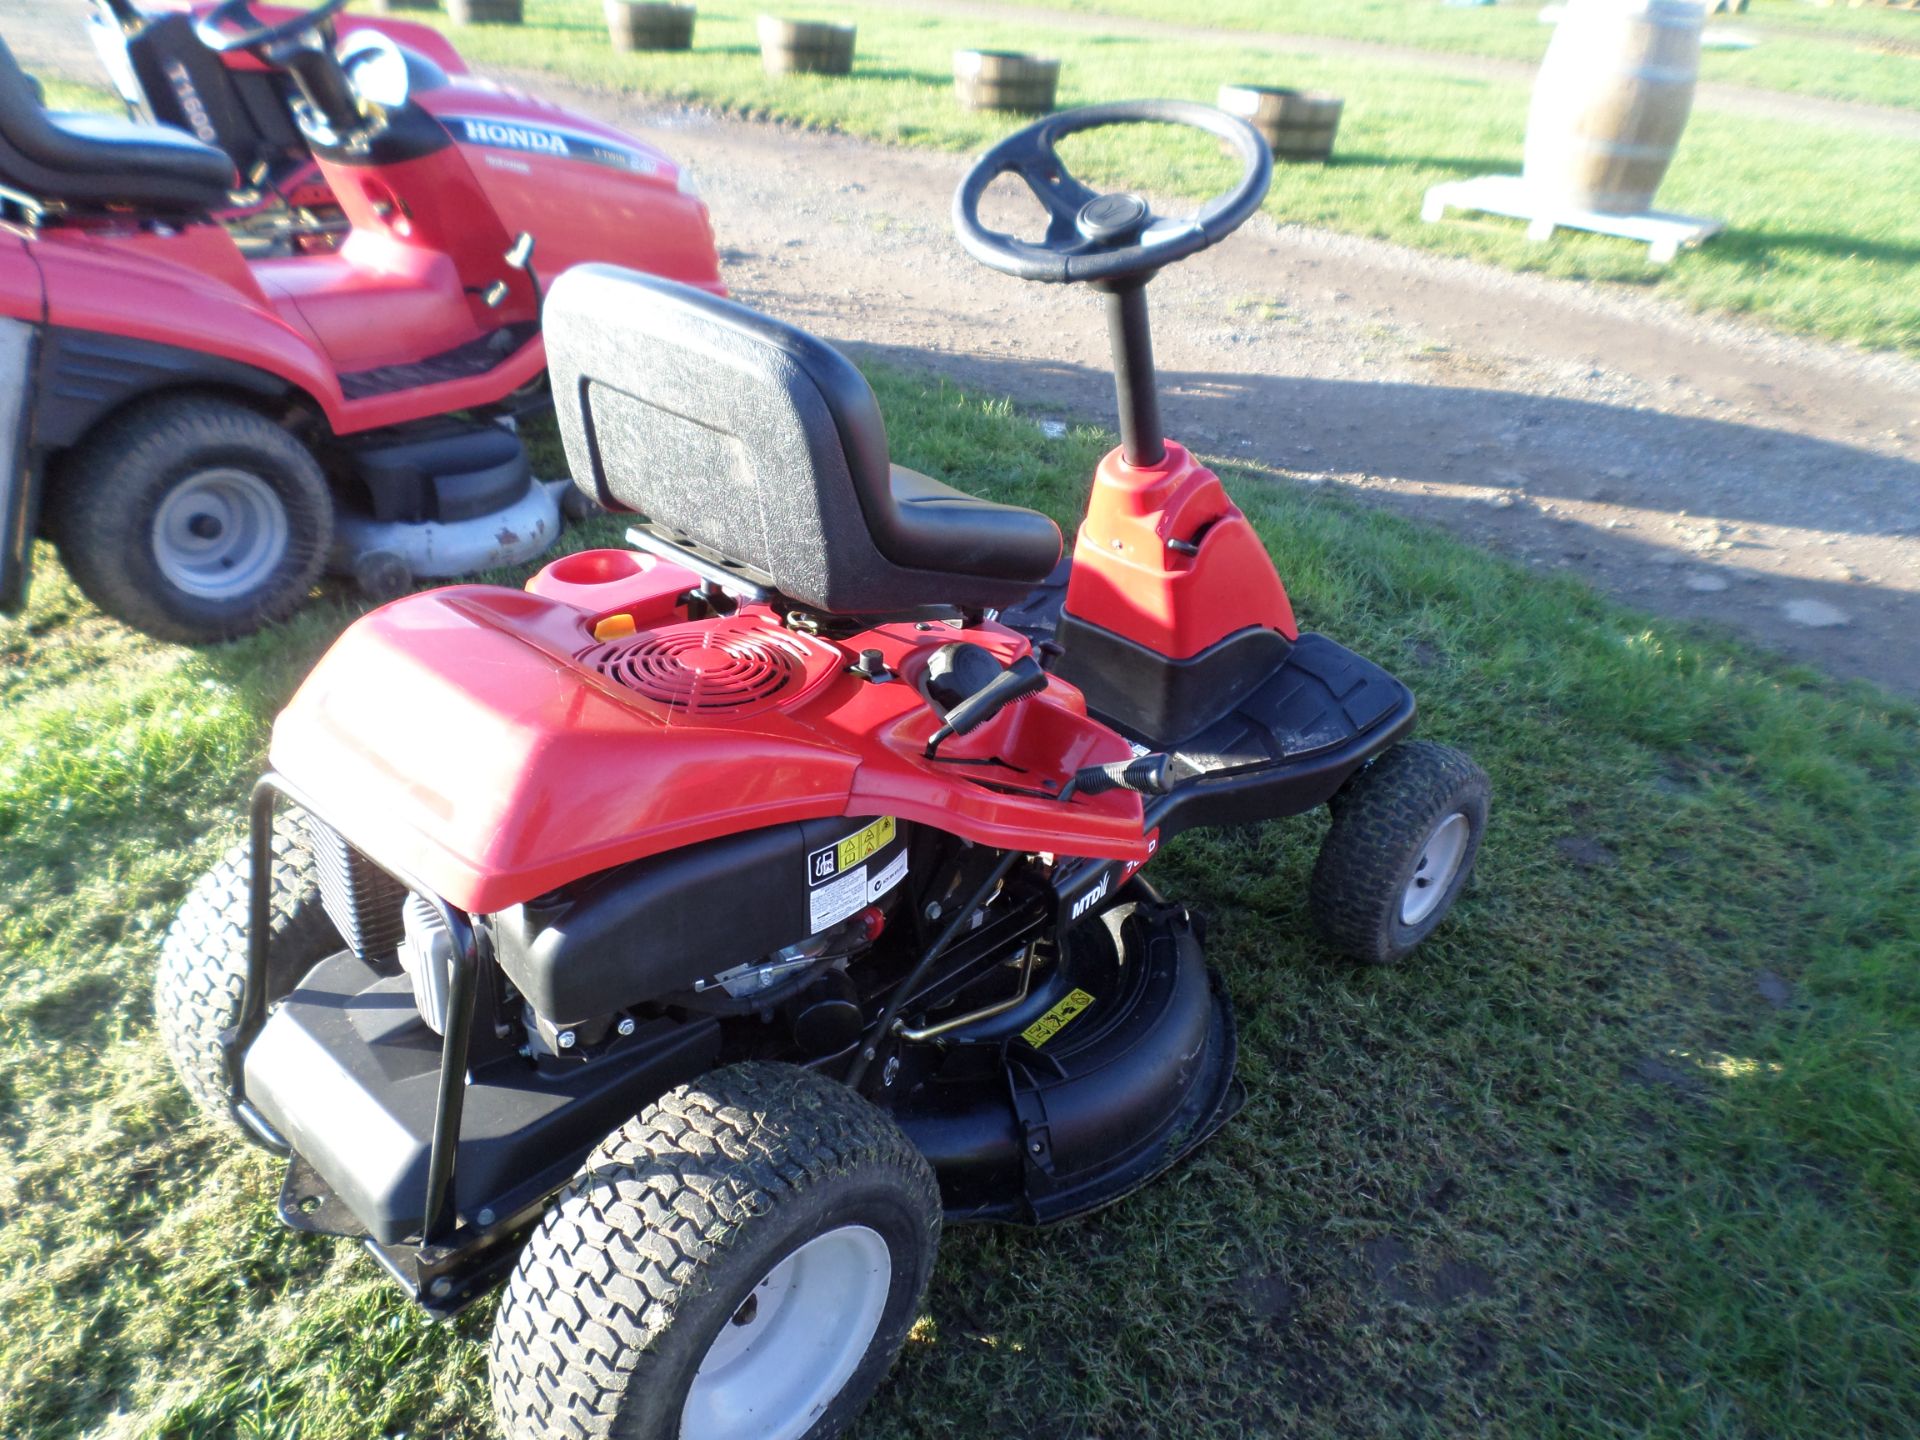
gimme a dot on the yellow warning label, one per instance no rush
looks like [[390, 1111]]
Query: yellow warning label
[[862, 843], [1055, 1020]]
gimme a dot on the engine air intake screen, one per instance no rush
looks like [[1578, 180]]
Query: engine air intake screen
[[703, 668]]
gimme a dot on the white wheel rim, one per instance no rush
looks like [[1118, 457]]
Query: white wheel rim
[[794, 1342], [219, 534], [1433, 875]]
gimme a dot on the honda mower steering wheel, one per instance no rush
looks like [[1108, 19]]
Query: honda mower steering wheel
[[212, 28], [1113, 237]]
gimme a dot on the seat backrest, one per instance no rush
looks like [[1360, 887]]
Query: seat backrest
[[90, 159], [23, 106], [748, 436], [190, 88]]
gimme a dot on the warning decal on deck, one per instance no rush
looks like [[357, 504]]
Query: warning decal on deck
[[1056, 1019]]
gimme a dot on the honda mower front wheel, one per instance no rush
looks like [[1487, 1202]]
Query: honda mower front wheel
[[741, 1262], [193, 518], [203, 960], [1406, 831]]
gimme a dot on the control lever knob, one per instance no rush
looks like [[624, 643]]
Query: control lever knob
[[1155, 774], [1019, 680]]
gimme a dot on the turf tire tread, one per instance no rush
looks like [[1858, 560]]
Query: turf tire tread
[[203, 959], [1378, 815], [638, 1232]]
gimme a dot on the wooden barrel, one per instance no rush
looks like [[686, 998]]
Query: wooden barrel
[[1610, 102], [484, 12], [649, 27], [1004, 80], [805, 47], [1297, 125]]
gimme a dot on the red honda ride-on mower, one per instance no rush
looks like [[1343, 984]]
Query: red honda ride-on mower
[[769, 893], [202, 425], [168, 75]]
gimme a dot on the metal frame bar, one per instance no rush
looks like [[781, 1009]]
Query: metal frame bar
[[882, 1031], [438, 1210]]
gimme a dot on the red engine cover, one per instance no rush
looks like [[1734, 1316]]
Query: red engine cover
[[487, 742]]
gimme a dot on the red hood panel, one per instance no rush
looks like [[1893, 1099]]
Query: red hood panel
[[463, 736], [444, 743]]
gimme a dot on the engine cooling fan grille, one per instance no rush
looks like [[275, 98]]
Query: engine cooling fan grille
[[704, 669]]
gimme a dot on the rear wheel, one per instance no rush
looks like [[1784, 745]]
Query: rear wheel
[[203, 960], [1406, 831], [192, 518], [741, 1262]]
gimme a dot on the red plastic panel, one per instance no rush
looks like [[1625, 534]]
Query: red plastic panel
[[21, 294], [1132, 576], [628, 213], [464, 736]]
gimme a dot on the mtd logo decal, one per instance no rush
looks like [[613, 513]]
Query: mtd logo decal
[[545, 140], [1093, 897]]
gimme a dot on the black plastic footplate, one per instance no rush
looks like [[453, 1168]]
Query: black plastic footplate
[[1274, 728], [1290, 744], [347, 1074]]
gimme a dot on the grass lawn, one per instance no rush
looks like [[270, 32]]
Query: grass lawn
[[1631, 1150], [1823, 238], [1839, 53]]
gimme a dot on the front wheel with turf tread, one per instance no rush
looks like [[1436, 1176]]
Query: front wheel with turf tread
[[1406, 831], [235, 504], [654, 1261], [203, 960]]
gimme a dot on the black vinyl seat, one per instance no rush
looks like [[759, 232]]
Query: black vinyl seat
[[87, 161], [765, 447]]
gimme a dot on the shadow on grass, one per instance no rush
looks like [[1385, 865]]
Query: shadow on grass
[[915, 77], [1534, 451], [1775, 244], [1458, 165]]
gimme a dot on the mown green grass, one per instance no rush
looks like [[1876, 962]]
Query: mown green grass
[[1801, 50], [1823, 235], [1566, 1174], [65, 95]]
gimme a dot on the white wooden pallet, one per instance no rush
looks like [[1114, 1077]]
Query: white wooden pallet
[[1663, 233]]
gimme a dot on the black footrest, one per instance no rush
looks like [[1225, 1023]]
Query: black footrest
[[1291, 743]]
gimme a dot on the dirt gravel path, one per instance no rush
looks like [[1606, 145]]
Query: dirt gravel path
[[1698, 468]]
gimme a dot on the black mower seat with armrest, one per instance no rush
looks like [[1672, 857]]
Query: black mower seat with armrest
[[86, 161], [766, 447]]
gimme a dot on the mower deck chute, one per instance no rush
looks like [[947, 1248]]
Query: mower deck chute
[[1113, 1072]]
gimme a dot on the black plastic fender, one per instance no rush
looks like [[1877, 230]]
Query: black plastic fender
[[1116, 1071]]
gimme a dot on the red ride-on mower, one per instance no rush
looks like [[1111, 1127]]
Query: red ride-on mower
[[758, 892], [168, 75], [201, 426]]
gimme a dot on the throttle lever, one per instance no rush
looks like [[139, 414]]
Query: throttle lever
[[1019, 680]]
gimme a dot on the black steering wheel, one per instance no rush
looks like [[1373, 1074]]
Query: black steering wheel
[[214, 32], [1113, 237]]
